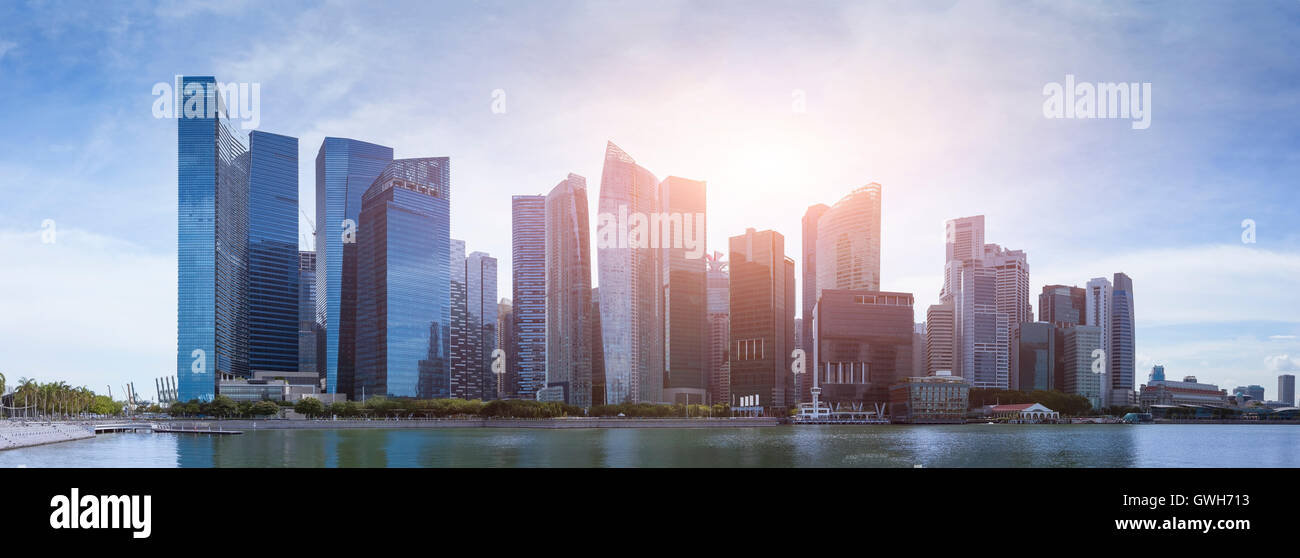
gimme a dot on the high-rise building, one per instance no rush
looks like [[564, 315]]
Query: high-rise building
[[1080, 379], [918, 349], [939, 342], [1060, 305], [308, 331], [1253, 392], [1098, 308], [1012, 268], [761, 323], [862, 345], [848, 242], [981, 333], [345, 169], [507, 383], [1036, 362], [1123, 362], [719, 330], [597, 352], [272, 252], [528, 291], [1157, 373], [568, 293], [809, 285], [481, 300], [964, 241], [404, 285], [684, 291], [1286, 389], [212, 244], [462, 350], [630, 282]]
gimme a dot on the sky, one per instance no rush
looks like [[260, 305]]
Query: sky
[[776, 105]]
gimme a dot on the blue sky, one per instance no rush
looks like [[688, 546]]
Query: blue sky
[[940, 102]]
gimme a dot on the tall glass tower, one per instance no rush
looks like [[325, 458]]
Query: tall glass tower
[[685, 292], [481, 304], [528, 271], [404, 299], [630, 284], [273, 252], [212, 243], [568, 293], [345, 168], [848, 242], [1123, 362]]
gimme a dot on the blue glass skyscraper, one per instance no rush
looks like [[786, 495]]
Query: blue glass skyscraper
[[345, 169], [273, 252], [404, 285], [528, 289], [212, 242]]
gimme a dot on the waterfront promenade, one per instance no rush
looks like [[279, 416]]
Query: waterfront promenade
[[556, 423], [21, 434]]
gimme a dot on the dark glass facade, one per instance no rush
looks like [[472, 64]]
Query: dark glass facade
[[685, 294], [1122, 358], [1037, 356], [528, 273], [345, 169], [403, 303], [809, 285], [273, 252], [761, 323], [862, 345], [308, 332], [212, 243]]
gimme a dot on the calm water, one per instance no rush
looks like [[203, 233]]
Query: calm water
[[802, 446]]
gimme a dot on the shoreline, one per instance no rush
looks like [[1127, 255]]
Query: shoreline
[[18, 435], [347, 424]]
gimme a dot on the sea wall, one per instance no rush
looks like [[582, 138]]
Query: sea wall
[[17, 434]]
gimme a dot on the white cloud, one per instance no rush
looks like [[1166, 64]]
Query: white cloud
[[1281, 337], [5, 47], [1283, 363], [88, 309]]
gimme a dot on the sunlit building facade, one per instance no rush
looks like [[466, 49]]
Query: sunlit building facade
[[568, 292], [848, 242], [685, 295], [862, 345], [761, 320], [630, 277], [718, 317]]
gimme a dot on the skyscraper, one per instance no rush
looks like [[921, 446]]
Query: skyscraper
[[1122, 358], [528, 292], [1080, 379], [345, 169], [404, 284], [684, 291], [981, 333], [1286, 389], [809, 285], [719, 330], [507, 384], [964, 241], [568, 293], [1099, 306], [630, 282], [1062, 305], [307, 328], [1036, 363], [848, 242], [761, 323], [939, 338], [481, 300], [597, 352], [212, 244], [462, 350], [272, 252]]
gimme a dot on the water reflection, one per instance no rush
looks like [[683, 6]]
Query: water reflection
[[811, 446]]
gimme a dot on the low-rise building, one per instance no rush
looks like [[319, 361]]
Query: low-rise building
[[1024, 412], [1186, 392], [941, 398]]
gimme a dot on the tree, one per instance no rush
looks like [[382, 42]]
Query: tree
[[264, 408], [223, 406], [309, 406]]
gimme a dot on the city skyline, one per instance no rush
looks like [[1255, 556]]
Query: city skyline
[[1158, 239]]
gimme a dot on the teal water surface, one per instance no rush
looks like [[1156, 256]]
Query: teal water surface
[[972, 445]]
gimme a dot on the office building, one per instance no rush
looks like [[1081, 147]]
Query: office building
[[938, 338], [684, 290], [404, 282], [719, 329], [1286, 389], [761, 323], [981, 333], [309, 343], [1080, 378], [1157, 373], [474, 323], [848, 242], [1122, 357], [862, 345], [1249, 393], [345, 169], [1036, 356], [1098, 305], [1062, 306], [568, 293], [631, 301], [507, 382], [809, 285], [528, 292], [462, 350], [272, 252], [597, 352], [212, 334], [935, 399]]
